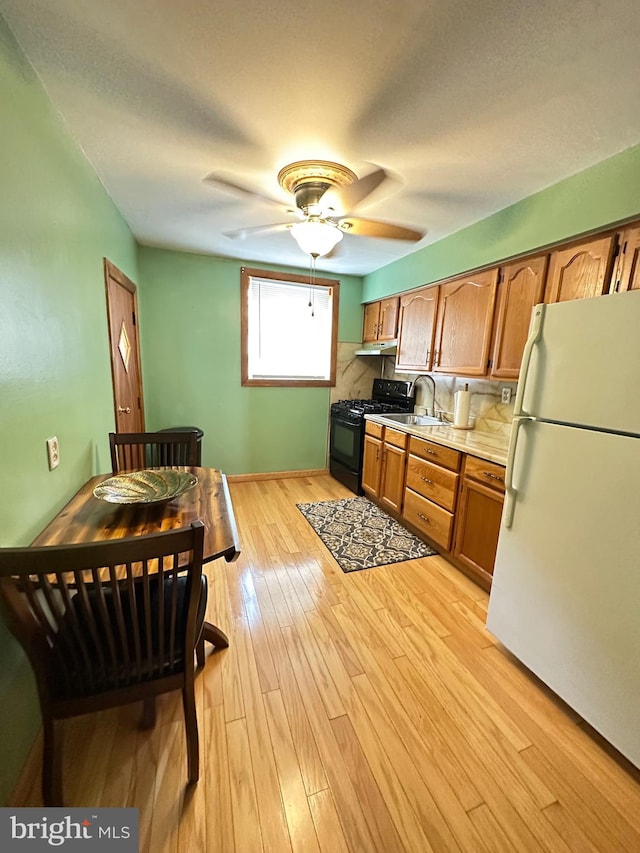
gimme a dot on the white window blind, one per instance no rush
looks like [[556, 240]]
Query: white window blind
[[288, 338]]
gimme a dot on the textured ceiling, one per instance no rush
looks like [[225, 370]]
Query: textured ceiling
[[470, 104]]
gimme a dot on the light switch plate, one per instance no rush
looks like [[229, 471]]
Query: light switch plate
[[53, 452]]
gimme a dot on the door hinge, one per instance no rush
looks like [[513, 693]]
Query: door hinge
[[133, 317], [620, 249]]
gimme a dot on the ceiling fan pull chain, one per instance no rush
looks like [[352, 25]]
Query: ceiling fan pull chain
[[312, 291]]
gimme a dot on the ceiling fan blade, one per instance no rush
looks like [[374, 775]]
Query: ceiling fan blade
[[344, 199], [241, 233], [219, 179], [373, 228]]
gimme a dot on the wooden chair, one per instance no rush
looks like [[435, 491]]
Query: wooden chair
[[106, 624], [132, 451]]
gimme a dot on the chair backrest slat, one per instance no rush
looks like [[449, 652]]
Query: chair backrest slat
[[90, 637], [134, 621], [104, 619], [71, 646], [173, 612], [35, 602], [122, 637], [132, 451], [147, 619]]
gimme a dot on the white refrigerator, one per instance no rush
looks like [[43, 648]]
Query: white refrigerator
[[565, 598]]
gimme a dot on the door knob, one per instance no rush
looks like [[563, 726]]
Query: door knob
[[124, 410]]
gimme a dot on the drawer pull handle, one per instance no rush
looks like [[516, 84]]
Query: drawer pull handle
[[493, 476], [432, 452], [424, 518], [424, 480]]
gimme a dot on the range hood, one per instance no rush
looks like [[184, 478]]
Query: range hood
[[382, 348]]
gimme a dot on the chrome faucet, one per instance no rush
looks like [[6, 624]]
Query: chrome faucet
[[431, 412]]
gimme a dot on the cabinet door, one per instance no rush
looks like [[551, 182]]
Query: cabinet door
[[371, 465], [388, 322], [580, 272], [465, 314], [477, 528], [521, 287], [371, 321], [416, 329], [393, 471], [627, 274]]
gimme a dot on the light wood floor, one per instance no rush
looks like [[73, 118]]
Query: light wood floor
[[353, 712]]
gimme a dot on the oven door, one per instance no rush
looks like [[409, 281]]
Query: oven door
[[345, 451]]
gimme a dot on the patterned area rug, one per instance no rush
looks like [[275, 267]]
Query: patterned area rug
[[360, 535]]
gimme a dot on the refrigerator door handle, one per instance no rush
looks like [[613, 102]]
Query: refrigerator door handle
[[510, 490], [535, 330]]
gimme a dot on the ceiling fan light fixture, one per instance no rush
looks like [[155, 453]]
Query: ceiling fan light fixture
[[316, 238]]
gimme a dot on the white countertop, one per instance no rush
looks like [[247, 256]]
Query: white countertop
[[484, 445]]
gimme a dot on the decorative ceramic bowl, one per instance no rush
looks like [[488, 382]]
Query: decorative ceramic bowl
[[151, 486]]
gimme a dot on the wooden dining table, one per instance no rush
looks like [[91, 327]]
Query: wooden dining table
[[89, 519]]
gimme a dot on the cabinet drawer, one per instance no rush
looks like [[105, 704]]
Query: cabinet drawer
[[488, 473], [433, 482], [373, 429], [431, 519], [436, 453], [395, 437]]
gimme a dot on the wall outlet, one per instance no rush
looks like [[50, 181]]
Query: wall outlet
[[53, 452], [506, 395]]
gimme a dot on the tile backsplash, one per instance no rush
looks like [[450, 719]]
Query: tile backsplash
[[355, 375], [490, 413]]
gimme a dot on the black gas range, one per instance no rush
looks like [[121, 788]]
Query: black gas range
[[346, 440]]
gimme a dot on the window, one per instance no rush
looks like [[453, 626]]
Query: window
[[289, 329]]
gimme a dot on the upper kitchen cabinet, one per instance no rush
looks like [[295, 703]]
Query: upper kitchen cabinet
[[416, 329], [381, 320], [627, 270], [581, 271], [465, 315], [520, 287]]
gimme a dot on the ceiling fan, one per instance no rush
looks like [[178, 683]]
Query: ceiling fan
[[325, 194]]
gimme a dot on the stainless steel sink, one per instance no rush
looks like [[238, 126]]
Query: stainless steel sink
[[413, 420]]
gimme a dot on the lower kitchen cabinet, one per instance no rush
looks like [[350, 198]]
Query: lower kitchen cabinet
[[478, 517], [383, 465], [431, 489], [451, 499], [393, 469], [372, 459]]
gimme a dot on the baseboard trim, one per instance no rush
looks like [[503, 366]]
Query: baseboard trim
[[276, 475]]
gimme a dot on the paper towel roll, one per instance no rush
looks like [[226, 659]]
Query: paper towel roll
[[461, 408]]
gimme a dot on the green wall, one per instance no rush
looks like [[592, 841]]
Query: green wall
[[190, 333], [56, 224], [607, 193]]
